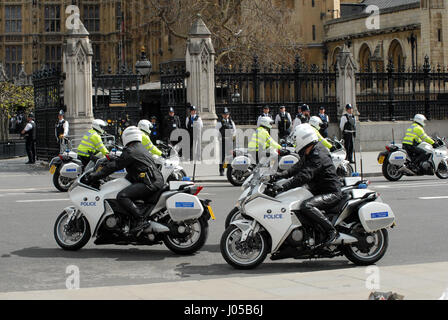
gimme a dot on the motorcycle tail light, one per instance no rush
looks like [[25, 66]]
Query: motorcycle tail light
[[388, 148], [61, 157], [197, 190]]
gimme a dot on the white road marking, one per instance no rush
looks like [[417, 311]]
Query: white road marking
[[41, 200], [432, 198], [408, 185], [25, 189]]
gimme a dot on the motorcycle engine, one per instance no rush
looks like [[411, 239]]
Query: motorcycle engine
[[112, 222], [296, 237]]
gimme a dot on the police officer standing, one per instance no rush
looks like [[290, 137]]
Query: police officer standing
[[171, 122], [61, 129], [265, 114], [283, 122], [30, 139], [155, 131], [348, 128], [325, 122], [227, 130], [194, 126], [303, 116]]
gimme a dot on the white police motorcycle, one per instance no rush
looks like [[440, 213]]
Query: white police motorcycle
[[396, 162], [275, 225], [175, 216]]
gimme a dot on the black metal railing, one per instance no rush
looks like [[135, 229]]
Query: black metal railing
[[391, 94]]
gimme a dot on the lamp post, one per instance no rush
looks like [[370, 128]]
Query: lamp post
[[143, 66]]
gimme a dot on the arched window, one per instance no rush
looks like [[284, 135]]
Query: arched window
[[396, 53], [364, 58]]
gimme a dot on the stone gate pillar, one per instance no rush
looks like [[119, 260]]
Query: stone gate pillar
[[200, 62], [346, 81], [77, 66]]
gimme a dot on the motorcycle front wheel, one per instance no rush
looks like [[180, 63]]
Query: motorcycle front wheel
[[61, 183], [442, 171], [236, 177], [244, 255], [234, 215], [71, 235], [191, 240]]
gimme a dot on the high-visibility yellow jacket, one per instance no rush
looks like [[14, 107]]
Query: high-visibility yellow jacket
[[323, 140], [262, 139], [415, 135], [147, 143], [91, 144]]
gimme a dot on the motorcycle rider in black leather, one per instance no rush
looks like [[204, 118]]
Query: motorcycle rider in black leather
[[142, 172], [316, 169]]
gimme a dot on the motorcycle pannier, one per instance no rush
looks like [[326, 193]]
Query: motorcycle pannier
[[183, 207], [375, 216], [397, 158], [241, 163], [70, 170], [287, 162]]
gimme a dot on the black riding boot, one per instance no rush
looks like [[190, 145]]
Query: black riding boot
[[318, 217]]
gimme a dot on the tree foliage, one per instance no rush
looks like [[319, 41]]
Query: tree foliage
[[240, 28], [11, 98]]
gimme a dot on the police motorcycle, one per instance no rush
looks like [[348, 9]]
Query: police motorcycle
[[347, 183], [275, 226], [339, 155], [175, 216], [66, 167], [397, 163], [170, 166]]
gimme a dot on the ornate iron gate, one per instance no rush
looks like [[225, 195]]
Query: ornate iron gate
[[48, 100], [173, 88], [117, 99]]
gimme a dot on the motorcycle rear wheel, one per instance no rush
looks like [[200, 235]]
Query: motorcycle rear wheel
[[61, 183], [354, 254], [65, 237], [390, 172], [247, 255], [180, 246], [238, 180]]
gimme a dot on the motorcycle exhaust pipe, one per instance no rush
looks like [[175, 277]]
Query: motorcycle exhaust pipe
[[344, 239], [156, 228], [406, 170]]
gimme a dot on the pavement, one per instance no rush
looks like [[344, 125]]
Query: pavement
[[415, 282]]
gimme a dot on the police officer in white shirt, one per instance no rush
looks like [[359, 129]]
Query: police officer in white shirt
[[227, 130], [194, 125], [30, 139], [265, 114], [61, 129]]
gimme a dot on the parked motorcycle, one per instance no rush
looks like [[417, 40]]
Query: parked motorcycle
[[174, 216], [276, 226], [339, 155], [397, 163]]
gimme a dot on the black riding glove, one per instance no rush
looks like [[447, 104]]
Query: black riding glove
[[333, 149]]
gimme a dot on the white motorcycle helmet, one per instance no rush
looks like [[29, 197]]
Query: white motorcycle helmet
[[316, 122], [266, 122], [131, 134], [146, 126], [304, 135], [99, 125], [420, 119]]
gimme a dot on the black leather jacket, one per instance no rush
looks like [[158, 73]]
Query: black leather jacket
[[139, 166], [317, 171]]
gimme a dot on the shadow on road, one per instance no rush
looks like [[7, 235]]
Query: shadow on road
[[132, 254]]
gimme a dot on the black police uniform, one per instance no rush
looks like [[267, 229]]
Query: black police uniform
[[225, 125], [170, 124], [191, 134], [284, 125], [30, 143], [142, 172], [349, 133], [317, 171]]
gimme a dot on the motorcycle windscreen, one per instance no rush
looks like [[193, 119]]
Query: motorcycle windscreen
[[375, 216], [70, 170], [183, 207]]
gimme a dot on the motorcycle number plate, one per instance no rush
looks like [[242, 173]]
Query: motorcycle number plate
[[211, 212], [52, 169], [381, 159]]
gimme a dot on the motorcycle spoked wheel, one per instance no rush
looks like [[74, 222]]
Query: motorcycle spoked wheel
[[61, 183], [244, 255], [390, 171], [442, 171], [371, 248], [71, 235], [194, 239], [236, 177]]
